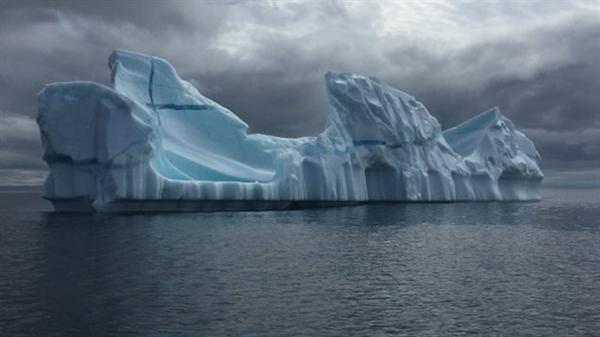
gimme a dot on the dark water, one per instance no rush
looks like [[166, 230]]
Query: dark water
[[492, 269]]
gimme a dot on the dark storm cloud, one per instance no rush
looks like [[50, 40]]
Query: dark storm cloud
[[546, 78], [18, 137], [108, 11], [559, 95], [265, 61]]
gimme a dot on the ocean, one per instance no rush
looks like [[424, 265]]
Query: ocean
[[443, 269]]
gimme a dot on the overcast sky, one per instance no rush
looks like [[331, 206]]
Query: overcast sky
[[265, 60]]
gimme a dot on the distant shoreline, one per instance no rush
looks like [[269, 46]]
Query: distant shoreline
[[21, 188]]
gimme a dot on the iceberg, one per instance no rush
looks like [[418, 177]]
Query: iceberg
[[152, 141]]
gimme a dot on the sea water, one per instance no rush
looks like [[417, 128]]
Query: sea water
[[489, 268]]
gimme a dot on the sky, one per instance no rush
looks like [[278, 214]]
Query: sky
[[538, 61]]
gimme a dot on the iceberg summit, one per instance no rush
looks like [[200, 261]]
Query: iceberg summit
[[151, 141]]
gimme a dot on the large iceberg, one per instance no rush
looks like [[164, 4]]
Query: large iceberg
[[151, 141]]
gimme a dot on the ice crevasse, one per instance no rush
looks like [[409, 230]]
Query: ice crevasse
[[153, 141]]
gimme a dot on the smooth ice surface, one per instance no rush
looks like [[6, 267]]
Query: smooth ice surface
[[153, 136]]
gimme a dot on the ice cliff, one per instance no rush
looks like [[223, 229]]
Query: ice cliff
[[152, 139]]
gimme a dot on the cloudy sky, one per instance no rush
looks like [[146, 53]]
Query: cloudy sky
[[265, 60]]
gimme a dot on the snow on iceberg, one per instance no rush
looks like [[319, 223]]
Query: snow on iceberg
[[153, 142]]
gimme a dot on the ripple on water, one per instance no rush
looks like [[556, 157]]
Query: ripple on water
[[406, 269]]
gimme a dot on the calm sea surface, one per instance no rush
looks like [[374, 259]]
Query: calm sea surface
[[490, 269]]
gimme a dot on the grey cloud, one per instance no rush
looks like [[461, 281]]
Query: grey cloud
[[567, 146], [19, 142], [157, 15], [547, 78], [266, 61]]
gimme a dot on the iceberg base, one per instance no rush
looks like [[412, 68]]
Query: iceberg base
[[85, 205]]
